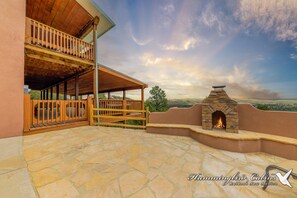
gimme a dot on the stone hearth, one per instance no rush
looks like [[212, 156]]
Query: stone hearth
[[219, 102]]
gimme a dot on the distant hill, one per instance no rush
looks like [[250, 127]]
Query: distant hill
[[276, 105]]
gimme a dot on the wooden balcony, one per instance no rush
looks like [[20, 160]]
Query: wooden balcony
[[44, 36]]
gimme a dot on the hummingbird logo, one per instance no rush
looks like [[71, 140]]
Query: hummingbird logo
[[284, 179]]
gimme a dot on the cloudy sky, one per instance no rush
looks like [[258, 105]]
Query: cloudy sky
[[186, 46]]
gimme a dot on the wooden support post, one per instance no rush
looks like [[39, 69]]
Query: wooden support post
[[27, 112], [91, 115], [124, 112], [57, 92], [95, 78], [108, 95], [51, 93], [142, 104], [124, 94], [65, 90], [47, 94], [147, 116], [142, 98], [76, 87], [41, 94]]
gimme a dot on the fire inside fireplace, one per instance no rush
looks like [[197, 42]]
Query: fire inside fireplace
[[218, 120]]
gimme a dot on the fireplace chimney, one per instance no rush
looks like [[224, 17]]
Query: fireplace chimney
[[219, 107], [218, 87]]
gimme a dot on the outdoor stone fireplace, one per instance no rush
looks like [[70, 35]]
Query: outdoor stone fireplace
[[219, 111]]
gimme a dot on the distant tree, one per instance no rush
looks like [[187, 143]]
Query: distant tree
[[157, 101], [263, 107], [35, 95], [102, 96]]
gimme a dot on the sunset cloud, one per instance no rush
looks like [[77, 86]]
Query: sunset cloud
[[270, 16], [187, 46]]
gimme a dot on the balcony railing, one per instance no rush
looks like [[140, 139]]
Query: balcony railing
[[45, 36]]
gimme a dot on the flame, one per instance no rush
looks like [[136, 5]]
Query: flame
[[219, 124]]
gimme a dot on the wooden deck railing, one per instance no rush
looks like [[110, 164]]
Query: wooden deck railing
[[118, 120], [42, 35], [43, 113], [46, 112], [118, 104]]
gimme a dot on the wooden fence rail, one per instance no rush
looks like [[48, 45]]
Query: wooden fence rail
[[122, 116], [45, 112], [45, 36]]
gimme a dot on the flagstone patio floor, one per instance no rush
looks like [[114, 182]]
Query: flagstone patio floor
[[113, 162]]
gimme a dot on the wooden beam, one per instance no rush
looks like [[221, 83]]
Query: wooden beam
[[54, 60], [58, 54], [88, 28], [41, 95], [65, 90]]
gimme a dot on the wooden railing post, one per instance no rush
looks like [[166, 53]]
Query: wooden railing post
[[27, 112], [147, 116], [89, 103], [91, 115]]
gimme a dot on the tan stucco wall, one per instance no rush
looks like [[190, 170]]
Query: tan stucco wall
[[271, 122], [178, 116], [250, 119], [12, 31]]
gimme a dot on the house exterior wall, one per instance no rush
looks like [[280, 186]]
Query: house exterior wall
[[12, 37]]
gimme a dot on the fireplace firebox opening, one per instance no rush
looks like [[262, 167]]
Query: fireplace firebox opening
[[218, 120]]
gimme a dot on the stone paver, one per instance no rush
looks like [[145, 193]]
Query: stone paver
[[114, 162], [15, 180]]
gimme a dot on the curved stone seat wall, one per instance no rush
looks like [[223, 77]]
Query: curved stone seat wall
[[250, 119]]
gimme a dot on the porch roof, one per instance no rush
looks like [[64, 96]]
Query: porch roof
[[109, 80], [69, 16]]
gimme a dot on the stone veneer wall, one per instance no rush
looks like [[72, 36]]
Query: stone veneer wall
[[218, 100]]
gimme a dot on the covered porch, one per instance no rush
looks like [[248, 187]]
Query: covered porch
[[66, 103]]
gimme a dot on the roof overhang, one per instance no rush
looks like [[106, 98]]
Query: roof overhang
[[109, 81], [94, 10]]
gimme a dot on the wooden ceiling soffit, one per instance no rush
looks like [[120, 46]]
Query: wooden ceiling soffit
[[88, 28], [65, 15], [30, 49]]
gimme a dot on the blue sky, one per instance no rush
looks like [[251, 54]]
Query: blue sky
[[186, 46]]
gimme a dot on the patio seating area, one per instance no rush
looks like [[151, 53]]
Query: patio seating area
[[95, 161]]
